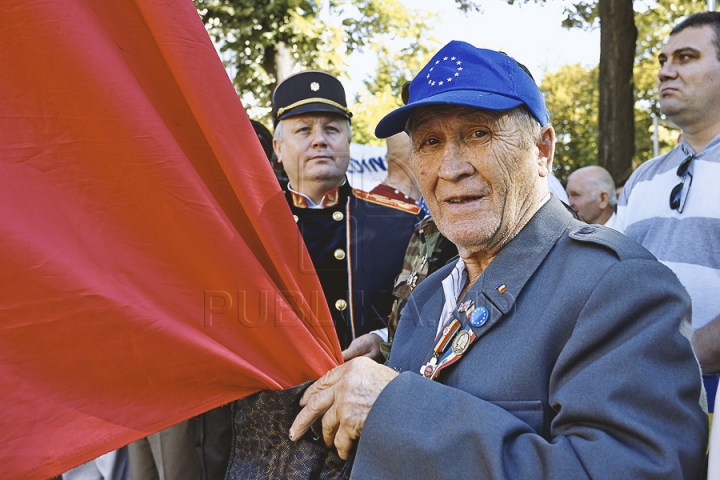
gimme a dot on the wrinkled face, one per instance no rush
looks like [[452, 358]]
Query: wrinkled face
[[689, 78], [584, 198], [314, 148], [478, 173]]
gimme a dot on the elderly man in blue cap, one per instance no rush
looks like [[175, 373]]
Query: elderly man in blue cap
[[550, 349]]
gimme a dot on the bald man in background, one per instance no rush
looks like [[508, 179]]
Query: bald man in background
[[592, 195]]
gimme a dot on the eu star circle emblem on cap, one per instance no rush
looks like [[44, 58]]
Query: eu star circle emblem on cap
[[486, 79], [444, 73]]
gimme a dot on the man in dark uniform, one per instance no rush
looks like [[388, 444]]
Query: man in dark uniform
[[356, 240]]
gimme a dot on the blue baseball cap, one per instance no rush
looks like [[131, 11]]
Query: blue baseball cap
[[460, 74]]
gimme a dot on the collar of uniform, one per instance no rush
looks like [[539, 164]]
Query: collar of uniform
[[330, 199], [507, 274], [393, 194]]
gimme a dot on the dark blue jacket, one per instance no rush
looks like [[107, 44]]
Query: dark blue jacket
[[357, 244]]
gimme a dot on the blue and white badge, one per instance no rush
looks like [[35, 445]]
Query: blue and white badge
[[479, 316]]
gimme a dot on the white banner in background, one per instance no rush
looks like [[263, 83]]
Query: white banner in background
[[368, 166]]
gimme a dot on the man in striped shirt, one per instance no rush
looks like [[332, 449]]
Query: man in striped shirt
[[671, 204]]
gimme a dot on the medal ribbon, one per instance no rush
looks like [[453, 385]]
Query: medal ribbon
[[446, 335], [452, 355], [443, 356]]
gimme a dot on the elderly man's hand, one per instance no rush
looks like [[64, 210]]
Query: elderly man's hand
[[367, 345], [343, 398]]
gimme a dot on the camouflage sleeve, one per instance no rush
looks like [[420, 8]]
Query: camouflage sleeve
[[427, 251]]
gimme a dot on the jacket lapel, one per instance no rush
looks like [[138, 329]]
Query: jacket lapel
[[503, 280]]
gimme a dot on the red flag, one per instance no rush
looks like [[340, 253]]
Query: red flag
[[149, 264]]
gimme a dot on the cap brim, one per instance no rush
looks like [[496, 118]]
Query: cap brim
[[395, 121], [313, 108]]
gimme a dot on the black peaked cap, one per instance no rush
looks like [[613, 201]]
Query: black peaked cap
[[308, 92]]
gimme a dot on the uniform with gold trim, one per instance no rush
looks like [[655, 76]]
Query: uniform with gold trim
[[374, 231], [356, 239]]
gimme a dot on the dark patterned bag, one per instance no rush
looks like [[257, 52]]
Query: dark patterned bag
[[262, 449]]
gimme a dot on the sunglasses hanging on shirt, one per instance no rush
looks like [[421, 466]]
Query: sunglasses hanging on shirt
[[679, 194]]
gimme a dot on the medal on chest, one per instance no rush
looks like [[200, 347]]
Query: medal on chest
[[455, 339]]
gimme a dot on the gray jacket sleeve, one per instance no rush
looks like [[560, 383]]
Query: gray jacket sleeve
[[624, 395]]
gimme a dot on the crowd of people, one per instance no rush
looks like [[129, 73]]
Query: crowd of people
[[491, 326]]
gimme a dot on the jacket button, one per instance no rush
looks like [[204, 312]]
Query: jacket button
[[338, 216], [341, 305], [586, 230], [339, 254]]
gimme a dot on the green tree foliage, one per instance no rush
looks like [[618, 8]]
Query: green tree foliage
[[571, 95], [382, 92], [249, 33], [322, 34], [467, 6], [653, 20], [255, 34], [572, 92], [577, 140]]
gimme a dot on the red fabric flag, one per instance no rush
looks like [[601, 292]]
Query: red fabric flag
[[150, 269]]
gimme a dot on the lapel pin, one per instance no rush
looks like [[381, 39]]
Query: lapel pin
[[466, 305], [479, 316]]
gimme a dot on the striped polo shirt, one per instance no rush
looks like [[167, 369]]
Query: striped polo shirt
[[688, 242]]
